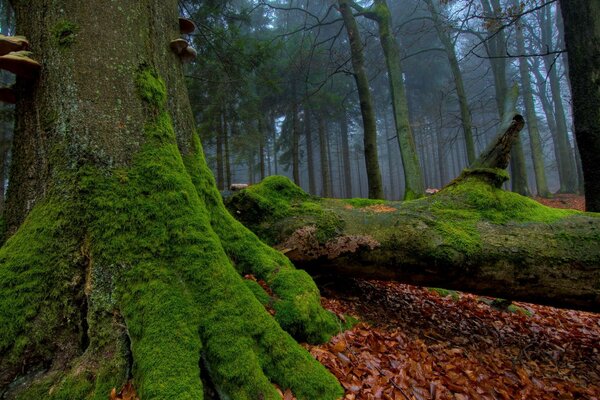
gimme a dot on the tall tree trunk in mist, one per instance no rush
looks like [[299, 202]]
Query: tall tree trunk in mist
[[310, 163], [496, 46], [346, 154], [218, 128], [532, 120], [366, 101], [324, 154], [227, 155], [582, 38], [295, 141], [461, 94], [566, 159], [118, 261], [413, 175]]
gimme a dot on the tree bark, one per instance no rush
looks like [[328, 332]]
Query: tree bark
[[472, 235], [568, 173], [324, 154], [366, 102], [532, 120], [120, 266], [346, 154], [413, 176], [310, 163], [496, 49], [461, 94], [582, 38]]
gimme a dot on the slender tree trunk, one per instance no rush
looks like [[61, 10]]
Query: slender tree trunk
[[566, 161], [227, 156], [413, 175], [347, 167], [119, 261], [532, 121], [310, 164], [295, 144], [582, 38], [325, 171], [496, 48], [461, 94], [261, 146], [366, 102], [218, 124]]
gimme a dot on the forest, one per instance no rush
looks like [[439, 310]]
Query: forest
[[300, 199]]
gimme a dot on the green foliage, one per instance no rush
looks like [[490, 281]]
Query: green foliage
[[65, 32]]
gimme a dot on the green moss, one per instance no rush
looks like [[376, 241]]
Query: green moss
[[37, 269], [176, 280], [260, 294], [360, 203], [65, 32]]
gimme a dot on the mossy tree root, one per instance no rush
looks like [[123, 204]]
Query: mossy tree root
[[151, 255]]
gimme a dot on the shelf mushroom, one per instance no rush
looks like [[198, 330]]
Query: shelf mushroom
[[20, 64], [186, 26], [178, 46], [188, 55], [183, 49], [12, 43]]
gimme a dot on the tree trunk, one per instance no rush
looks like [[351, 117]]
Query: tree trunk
[[295, 143], [310, 163], [582, 37], [324, 153], [472, 235], [346, 154], [568, 172], [413, 176], [121, 261], [496, 49], [219, 132], [366, 102], [532, 121], [226, 147], [461, 94]]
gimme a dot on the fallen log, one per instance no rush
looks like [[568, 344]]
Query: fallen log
[[471, 236]]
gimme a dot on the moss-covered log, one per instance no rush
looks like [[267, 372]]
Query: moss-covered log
[[471, 235], [121, 261]]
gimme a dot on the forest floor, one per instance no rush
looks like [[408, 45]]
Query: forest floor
[[419, 343]]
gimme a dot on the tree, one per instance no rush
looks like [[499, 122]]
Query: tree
[[582, 38], [366, 102], [471, 235], [413, 178], [120, 252]]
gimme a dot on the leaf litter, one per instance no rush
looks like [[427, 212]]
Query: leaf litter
[[414, 343]]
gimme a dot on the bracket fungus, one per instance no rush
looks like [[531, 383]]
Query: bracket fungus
[[20, 64], [188, 55], [7, 95], [182, 48], [178, 46], [186, 26], [12, 43]]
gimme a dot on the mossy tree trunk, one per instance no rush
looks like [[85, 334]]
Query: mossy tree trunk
[[413, 176], [310, 163], [367, 108], [122, 261], [472, 235]]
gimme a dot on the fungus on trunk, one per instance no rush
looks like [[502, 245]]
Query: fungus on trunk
[[186, 26], [12, 43], [20, 64]]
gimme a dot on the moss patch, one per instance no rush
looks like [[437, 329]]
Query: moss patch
[[65, 32]]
